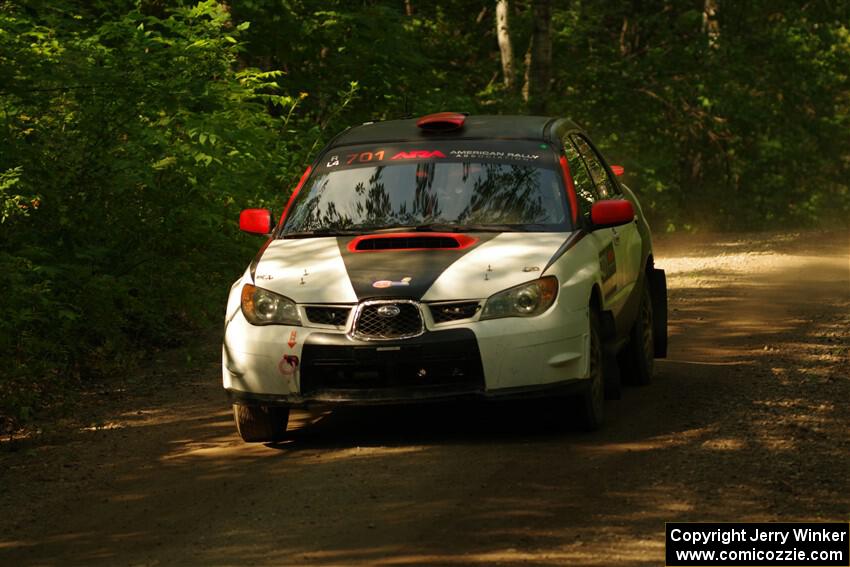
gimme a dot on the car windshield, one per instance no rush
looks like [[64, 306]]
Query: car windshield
[[430, 194]]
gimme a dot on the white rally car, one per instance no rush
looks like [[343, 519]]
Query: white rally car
[[447, 257]]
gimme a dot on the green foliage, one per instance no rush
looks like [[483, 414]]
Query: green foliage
[[747, 131], [403, 65], [129, 150], [13, 204]]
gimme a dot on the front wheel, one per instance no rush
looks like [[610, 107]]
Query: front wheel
[[260, 424], [658, 291], [638, 358], [591, 402]]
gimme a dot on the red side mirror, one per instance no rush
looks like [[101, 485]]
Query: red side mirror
[[618, 170], [613, 212], [256, 221]]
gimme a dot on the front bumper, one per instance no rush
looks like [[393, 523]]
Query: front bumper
[[335, 368], [494, 358]]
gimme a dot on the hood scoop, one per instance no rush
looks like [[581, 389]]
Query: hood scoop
[[397, 241]]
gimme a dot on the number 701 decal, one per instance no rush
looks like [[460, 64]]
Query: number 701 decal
[[366, 157]]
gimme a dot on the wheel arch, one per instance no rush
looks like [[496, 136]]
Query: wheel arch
[[595, 299]]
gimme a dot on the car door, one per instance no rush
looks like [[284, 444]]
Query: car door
[[587, 194], [626, 238]]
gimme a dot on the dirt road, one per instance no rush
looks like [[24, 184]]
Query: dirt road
[[748, 420]]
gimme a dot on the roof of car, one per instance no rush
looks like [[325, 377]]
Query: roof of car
[[475, 127]]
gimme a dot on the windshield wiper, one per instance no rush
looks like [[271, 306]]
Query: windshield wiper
[[431, 227], [528, 227], [447, 227], [437, 227], [428, 227], [325, 231]]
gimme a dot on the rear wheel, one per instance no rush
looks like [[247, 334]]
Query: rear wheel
[[591, 402], [638, 358], [260, 424]]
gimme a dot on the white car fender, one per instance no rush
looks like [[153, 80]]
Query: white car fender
[[577, 270]]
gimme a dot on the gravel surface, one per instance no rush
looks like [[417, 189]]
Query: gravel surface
[[747, 420]]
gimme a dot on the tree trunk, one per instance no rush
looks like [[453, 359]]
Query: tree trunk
[[630, 31], [538, 70], [505, 47], [710, 25], [526, 88]]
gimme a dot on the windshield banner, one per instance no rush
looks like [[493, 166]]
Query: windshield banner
[[518, 152]]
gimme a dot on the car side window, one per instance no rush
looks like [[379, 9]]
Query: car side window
[[585, 190], [604, 184]]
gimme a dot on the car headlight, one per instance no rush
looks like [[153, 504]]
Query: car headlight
[[526, 300], [263, 307]]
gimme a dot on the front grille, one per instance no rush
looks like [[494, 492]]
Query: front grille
[[446, 312], [388, 320], [322, 315], [433, 362]]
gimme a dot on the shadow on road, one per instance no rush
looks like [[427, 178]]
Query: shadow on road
[[746, 421]]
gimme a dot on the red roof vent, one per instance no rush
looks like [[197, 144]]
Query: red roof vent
[[442, 122]]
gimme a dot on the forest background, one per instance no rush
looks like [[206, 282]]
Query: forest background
[[133, 132]]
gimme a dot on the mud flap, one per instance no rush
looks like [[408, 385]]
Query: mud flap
[[610, 348], [658, 293], [611, 375]]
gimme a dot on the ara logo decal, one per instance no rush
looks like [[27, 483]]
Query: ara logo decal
[[419, 154], [381, 284], [333, 162]]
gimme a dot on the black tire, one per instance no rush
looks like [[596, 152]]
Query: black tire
[[658, 291], [590, 410], [613, 382], [638, 358], [260, 424]]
